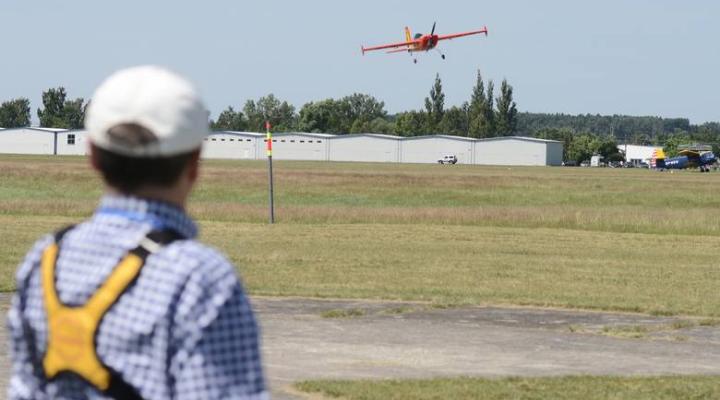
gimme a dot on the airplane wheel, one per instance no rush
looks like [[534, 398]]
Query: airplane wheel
[[415, 61], [443, 56]]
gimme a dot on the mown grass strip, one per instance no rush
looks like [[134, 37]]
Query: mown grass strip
[[564, 388]]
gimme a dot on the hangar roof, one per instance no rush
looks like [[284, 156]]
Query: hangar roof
[[523, 138], [35, 128], [374, 135], [237, 133], [312, 135], [449, 137]]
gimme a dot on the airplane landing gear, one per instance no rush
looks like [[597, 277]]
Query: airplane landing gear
[[443, 56], [414, 60]]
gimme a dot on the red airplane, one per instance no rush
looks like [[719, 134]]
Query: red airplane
[[421, 42]]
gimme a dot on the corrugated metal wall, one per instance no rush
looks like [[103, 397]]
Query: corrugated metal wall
[[27, 141], [510, 151], [72, 143], [293, 146], [365, 148], [429, 149], [229, 145], [318, 147]]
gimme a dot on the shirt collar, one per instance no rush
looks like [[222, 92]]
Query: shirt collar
[[159, 214]]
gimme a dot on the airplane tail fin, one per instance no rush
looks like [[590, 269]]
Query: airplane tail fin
[[408, 35], [658, 159]]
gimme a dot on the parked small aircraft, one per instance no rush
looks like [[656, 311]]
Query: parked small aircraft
[[700, 157], [421, 42]]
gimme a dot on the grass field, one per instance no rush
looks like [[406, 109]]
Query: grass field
[[632, 240], [565, 388]]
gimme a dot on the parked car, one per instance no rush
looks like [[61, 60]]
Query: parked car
[[447, 159]]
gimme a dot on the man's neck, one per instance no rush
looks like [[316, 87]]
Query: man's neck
[[167, 195]]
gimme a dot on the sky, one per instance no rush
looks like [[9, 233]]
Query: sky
[[631, 57]]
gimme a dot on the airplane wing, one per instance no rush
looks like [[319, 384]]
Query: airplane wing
[[689, 153], [402, 50], [390, 46], [457, 35]]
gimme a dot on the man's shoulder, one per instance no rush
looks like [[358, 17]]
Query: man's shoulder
[[32, 260], [190, 256]]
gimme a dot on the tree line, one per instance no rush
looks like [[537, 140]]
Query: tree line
[[57, 112], [482, 116], [485, 115]]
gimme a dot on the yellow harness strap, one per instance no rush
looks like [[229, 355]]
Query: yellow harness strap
[[72, 330]]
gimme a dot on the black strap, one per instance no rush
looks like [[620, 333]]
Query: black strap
[[158, 239], [119, 388], [59, 234]]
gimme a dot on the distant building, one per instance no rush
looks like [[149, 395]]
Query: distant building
[[511, 150], [637, 154], [48, 141], [517, 150]]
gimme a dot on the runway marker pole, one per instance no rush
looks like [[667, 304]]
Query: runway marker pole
[[268, 138]]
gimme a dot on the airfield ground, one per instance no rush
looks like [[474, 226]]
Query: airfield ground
[[461, 236]]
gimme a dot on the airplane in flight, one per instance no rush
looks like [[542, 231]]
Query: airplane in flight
[[700, 157], [421, 42]]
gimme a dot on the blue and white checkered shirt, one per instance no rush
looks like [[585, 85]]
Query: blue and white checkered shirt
[[184, 330]]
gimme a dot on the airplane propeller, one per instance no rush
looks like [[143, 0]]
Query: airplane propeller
[[432, 32]]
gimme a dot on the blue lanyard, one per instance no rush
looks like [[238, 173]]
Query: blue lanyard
[[153, 220]]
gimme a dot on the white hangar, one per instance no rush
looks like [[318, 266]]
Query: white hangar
[[365, 148], [429, 149], [298, 146], [237, 145], [516, 150], [636, 154], [511, 150], [43, 141]]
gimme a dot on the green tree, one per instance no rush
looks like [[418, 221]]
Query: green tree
[[382, 125], [361, 109], [489, 111], [15, 113], [455, 121], [377, 125], [582, 148], [480, 111], [269, 108], [53, 101], [435, 106], [230, 120], [74, 113], [562, 135], [608, 148], [410, 123], [506, 111], [326, 116], [674, 141], [58, 112]]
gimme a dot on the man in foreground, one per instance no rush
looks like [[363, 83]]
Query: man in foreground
[[128, 305]]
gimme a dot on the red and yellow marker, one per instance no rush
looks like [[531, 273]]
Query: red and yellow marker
[[268, 139]]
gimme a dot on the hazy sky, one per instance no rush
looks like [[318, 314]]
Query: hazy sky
[[636, 57]]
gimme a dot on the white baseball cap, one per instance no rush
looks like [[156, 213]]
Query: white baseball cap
[[154, 98]]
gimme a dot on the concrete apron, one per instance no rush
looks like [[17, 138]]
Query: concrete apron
[[338, 339]]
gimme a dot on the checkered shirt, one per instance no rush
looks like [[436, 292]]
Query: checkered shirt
[[183, 330]]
